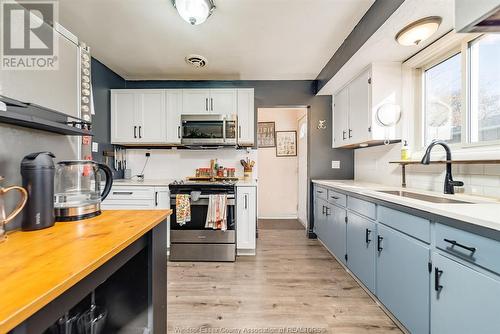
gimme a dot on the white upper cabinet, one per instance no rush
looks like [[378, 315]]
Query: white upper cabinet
[[246, 117], [341, 115], [173, 101], [195, 101], [123, 125], [138, 116], [153, 116], [223, 101], [359, 104]]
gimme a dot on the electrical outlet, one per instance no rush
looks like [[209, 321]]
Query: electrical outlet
[[95, 147], [335, 164], [148, 154]]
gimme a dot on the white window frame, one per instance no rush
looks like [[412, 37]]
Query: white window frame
[[440, 51]]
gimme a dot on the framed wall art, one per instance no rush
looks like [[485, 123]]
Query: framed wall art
[[286, 143], [266, 134]]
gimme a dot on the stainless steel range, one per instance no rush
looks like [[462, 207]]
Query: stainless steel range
[[192, 241]]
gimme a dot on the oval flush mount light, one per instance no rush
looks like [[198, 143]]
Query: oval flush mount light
[[418, 31], [194, 11], [197, 61]]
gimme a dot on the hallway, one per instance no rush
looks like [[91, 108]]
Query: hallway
[[292, 282]]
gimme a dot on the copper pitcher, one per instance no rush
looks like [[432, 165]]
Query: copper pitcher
[[4, 217]]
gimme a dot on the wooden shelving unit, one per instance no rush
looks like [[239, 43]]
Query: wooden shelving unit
[[405, 163]]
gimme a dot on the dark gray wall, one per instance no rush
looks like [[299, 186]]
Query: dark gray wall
[[103, 79], [286, 93]]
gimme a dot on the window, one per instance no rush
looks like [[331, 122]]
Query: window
[[461, 92], [443, 101], [485, 88]]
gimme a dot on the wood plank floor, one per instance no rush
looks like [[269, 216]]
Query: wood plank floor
[[292, 282]]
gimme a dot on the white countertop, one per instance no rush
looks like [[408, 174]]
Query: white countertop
[[482, 211]]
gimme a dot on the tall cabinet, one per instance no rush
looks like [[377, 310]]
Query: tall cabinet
[[246, 218], [358, 105]]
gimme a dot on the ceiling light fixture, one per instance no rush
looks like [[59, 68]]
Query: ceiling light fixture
[[194, 11], [418, 31]]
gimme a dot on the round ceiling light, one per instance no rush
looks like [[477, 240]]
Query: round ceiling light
[[418, 31], [194, 11], [196, 60]]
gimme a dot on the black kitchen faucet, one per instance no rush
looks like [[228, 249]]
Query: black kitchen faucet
[[449, 184]]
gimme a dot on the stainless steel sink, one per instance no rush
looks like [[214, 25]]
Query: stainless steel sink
[[422, 197]]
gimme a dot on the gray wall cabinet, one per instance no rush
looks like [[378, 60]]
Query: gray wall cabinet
[[433, 277]]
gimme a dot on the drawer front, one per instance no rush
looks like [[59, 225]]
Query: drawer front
[[202, 236], [202, 252], [337, 198], [131, 193], [417, 227], [364, 208], [320, 192], [120, 204], [468, 246]]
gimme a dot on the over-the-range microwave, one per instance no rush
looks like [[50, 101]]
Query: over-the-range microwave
[[209, 130]]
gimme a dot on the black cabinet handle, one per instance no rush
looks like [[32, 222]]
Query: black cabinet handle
[[239, 131], [343, 135], [334, 197], [367, 236], [206, 104], [350, 131], [135, 131], [319, 191], [379, 243], [212, 104], [323, 212], [179, 132], [140, 131], [437, 276], [246, 202], [156, 198], [327, 211], [455, 243], [122, 192]]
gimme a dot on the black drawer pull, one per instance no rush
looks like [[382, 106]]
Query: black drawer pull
[[379, 243], [454, 243], [122, 192], [367, 236], [319, 191], [328, 211], [323, 212], [437, 276], [333, 197]]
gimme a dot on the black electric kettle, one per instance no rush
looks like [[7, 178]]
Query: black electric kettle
[[78, 192]]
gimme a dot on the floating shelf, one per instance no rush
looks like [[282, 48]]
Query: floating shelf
[[461, 162], [36, 117]]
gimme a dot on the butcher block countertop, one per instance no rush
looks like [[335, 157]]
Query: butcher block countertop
[[37, 267]]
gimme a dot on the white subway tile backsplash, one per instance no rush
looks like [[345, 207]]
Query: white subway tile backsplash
[[481, 180]]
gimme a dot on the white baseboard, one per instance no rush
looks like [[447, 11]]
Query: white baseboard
[[282, 217]]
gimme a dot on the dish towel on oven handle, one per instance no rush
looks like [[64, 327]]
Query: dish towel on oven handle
[[217, 212], [183, 209]]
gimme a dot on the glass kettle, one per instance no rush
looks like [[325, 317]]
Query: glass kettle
[[78, 192]]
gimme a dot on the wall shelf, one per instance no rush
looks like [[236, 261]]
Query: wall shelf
[[404, 163], [36, 117], [460, 162]]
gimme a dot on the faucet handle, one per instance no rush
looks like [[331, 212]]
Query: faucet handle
[[457, 183]]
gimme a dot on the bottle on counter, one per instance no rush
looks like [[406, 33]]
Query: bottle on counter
[[405, 151]]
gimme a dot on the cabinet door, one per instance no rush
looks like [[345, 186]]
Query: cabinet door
[[246, 117], [151, 116], [319, 216], [173, 102], [162, 202], [340, 118], [223, 101], [195, 101], [246, 217], [467, 301], [361, 239], [403, 278], [336, 231], [359, 109], [123, 123]]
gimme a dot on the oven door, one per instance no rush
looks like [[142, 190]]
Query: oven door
[[208, 130]]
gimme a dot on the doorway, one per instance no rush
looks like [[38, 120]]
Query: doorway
[[282, 157]]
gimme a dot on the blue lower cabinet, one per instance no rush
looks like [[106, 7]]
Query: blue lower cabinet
[[336, 231], [319, 216], [403, 278], [361, 240], [463, 300]]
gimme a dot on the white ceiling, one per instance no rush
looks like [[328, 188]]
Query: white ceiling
[[242, 40], [382, 46]]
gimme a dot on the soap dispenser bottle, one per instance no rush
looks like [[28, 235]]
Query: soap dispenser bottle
[[405, 151]]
